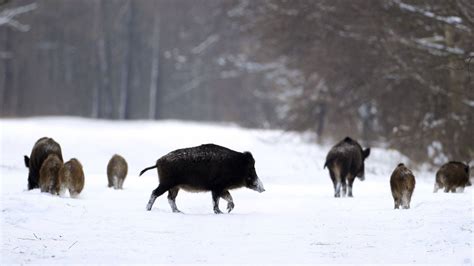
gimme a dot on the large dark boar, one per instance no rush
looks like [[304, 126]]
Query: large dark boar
[[451, 176], [71, 177], [345, 161], [117, 169], [402, 184], [49, 174], [42, 148], [207, 167]]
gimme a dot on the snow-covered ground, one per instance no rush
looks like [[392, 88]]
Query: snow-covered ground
[[297, 219]]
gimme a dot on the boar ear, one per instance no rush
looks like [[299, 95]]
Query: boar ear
[[248, 156], [27, 161], [366, 153], [347, 139]]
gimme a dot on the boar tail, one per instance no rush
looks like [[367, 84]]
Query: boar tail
[[146, 169]]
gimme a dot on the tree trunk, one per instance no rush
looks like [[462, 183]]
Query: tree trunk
[[127, 66], [154, 69]]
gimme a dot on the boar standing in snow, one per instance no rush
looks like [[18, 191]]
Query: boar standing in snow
[[207, 167], [345, 161], [451, 176], [117, 169], [402, 183], [42, 148], [49, 174], [71, 177]]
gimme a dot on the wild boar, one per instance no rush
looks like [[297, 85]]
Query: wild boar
[[451, 176], [42, 148], [402, 184], [49, 174], [71, 177], [207, 167], [345, 161], [117, 169]]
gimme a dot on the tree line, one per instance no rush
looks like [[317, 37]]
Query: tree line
[[395, 72]]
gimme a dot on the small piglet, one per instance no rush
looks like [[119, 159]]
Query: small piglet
[[402, 183], [452, 176], [71, 177], [117, 169]]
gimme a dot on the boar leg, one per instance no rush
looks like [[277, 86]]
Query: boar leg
[[172, 193], [120, 183], [397, 202], [336, 182], [111, 184], [350, 181], [333, 178], [436, 187], [215, 202], [230, 202], [409, 199], [337, 193], [344, 187], [405, 200], [155, 194]]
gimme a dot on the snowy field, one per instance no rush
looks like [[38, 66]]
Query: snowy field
[[296, 220]]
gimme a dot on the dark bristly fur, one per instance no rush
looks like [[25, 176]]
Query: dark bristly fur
[[42, 148], [402, 184], [117, 169], [71, 177], [451, 176], [49, 174], [345, 161], [207, 167]]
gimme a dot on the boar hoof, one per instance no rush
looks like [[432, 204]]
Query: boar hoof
[[230, 206], [217, 211]]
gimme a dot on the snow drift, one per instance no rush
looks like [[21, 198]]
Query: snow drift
[[297, 219]]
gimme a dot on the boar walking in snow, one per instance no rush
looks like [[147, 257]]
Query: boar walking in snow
[[42, 148], [49, 174], [207, 167], [345, 161], [402, 184], [117, 169], [71, 177], [451, 176]]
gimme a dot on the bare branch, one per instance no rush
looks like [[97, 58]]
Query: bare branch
[[451, 20], [7, 16]]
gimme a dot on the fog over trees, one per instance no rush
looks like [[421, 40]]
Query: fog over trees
[[397, 73]]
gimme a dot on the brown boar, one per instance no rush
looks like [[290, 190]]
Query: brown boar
[[402, 183], [452, 176], [71, 177], [49, 174], [117, 169], [42, 148]]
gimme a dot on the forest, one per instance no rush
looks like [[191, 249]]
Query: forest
[[393, 73]]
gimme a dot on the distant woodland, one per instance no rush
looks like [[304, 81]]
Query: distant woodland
[[396, 73]]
